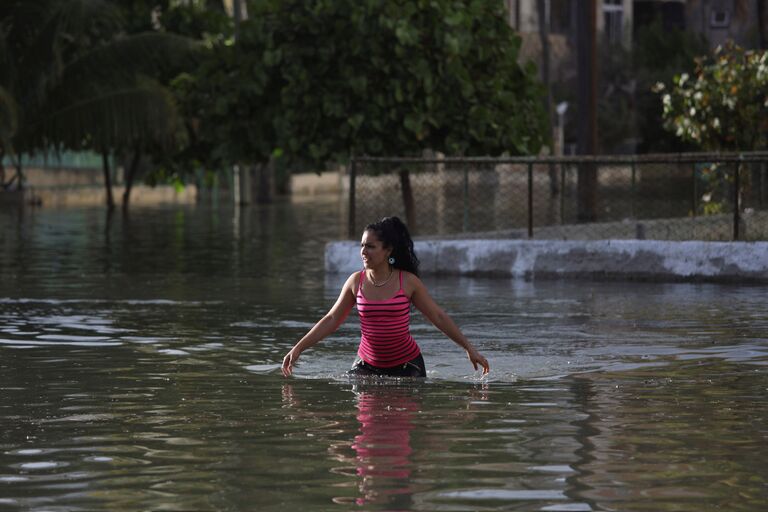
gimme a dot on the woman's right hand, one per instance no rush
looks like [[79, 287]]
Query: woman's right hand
[[476, 358], [289, 361]]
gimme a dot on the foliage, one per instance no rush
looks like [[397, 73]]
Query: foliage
[[202, 20], [319, 80], [198, 19], [8, 121], [78, 81], [724, 105]]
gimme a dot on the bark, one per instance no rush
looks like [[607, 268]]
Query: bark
[[19, 176], [408, 202], [130, 176], [108, 180], [587, 193], [264, 182]]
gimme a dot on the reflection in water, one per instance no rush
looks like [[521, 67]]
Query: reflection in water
[[383, 447], [377, 448]]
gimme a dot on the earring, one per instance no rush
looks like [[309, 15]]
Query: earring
[[391, 260]]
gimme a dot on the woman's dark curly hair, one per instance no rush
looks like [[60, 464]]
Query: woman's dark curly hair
[[392, 232]]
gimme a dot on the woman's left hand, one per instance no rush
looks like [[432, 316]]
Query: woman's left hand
[[476, 358]]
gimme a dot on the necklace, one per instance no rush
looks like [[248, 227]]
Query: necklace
[[379, 285]]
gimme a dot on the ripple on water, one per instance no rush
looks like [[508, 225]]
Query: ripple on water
[[99, 458], [13, 478], [81, 341], [568, 507], [173, 352], [505, 494], [41, 465]]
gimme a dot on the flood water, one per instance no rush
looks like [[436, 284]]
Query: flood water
[[139, 370]]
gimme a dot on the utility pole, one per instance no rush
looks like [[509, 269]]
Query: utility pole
[[586, 42], [239, 15], [543, 8], [762, 24]]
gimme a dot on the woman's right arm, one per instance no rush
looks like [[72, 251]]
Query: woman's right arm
[[325, 326]]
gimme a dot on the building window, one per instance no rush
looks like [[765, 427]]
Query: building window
[[719, 19], [613, 18], [560, 17]]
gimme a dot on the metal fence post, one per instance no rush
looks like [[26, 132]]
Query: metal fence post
[[695, 194], [530, 199], [465, 193], [736, 197], [352, 175], [632, 191], [563, 188]]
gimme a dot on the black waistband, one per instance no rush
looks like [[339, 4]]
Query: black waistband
[[413, 368]]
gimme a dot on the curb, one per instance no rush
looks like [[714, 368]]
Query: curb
[[649, 260]]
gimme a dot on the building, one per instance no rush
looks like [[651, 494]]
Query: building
[[743, 21], [617, 23]]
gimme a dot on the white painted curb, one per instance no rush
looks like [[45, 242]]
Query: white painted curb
[[630, 259]]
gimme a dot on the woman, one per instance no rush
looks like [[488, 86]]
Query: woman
[[383, 293]]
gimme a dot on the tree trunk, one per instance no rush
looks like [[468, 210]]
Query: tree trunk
[[243, 190], [108, 180], [129, 177], [265, 182], [19, 174], [5, 185], [408, 202], [2, 169]]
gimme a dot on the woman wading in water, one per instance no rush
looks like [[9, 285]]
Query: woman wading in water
[[383, 293]]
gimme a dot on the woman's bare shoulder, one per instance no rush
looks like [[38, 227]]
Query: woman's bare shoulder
[[352, 280], [411, 282]]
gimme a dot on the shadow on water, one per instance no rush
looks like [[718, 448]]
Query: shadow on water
[[141, 371]]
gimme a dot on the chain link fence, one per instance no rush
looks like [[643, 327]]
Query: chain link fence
[[696, 196]]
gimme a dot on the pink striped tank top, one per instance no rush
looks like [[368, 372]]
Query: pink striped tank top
[[385, 339]]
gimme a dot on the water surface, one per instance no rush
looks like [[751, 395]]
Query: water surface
[[139, 369]]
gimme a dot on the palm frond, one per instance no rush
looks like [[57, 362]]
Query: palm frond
[[6, 62], [49, 33], [121, 60], [9, 120], [140, 114]]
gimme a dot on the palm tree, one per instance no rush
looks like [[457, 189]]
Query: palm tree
[[74, 80], [9, 116]]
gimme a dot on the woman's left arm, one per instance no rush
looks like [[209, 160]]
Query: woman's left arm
[[423, 301]]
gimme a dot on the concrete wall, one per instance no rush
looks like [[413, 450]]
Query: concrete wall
[[328, 182], [59, 187], [607, 259]]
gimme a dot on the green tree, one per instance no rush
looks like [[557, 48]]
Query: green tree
[[203, 20], [317, 81], [724, 104], [75, 80]]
